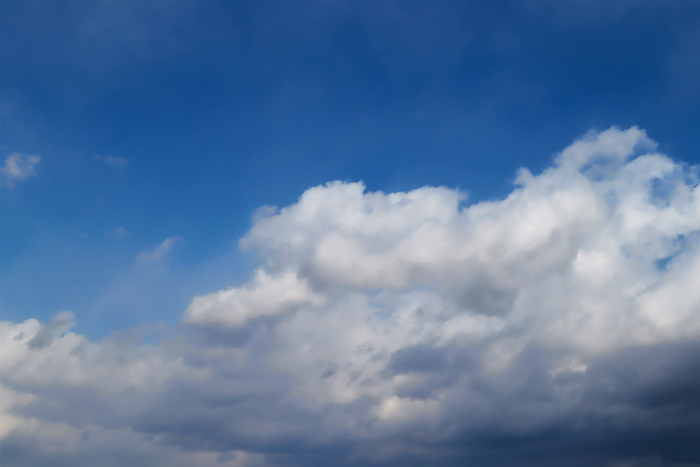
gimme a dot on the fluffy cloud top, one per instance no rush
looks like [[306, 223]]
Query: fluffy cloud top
[[559, 325], [264, 296], [19, 167]]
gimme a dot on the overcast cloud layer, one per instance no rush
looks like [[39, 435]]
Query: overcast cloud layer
[[558, 325]]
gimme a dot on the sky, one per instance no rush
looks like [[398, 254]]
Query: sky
[[282, 233]]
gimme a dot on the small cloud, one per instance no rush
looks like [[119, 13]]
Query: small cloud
[[119, 233], [117, 162], [19, 167], [161, 251]]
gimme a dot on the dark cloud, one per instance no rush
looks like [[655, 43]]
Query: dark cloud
[[594, 358]]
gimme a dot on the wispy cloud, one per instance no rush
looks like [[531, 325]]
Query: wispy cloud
[[160, 252], [118, 233], [117, 162], [19, 167]]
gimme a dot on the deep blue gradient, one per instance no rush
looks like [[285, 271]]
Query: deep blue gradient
[[222, 107]]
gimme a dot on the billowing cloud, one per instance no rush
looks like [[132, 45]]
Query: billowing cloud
[[557, 326], [263, 296], [19, 167]]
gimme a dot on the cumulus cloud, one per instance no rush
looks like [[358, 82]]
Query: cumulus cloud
[[55, 368], [19, 167], [265, 295], [557, 326]]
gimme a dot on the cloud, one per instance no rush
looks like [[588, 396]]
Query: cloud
[[557, 326], [265, 295], [118, 233], [19, 167], [59, 325], [161, 251], [117, 162]]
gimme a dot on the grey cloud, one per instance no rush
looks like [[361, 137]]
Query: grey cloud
[[58, 325], [558, 326]]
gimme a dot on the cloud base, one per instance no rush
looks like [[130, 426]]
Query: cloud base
[[558, 325]]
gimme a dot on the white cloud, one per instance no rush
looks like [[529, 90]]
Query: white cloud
[[117, 162], [36, 355], [19, 167], [62, 365], [264, 296], [382, 325], [161, 251]]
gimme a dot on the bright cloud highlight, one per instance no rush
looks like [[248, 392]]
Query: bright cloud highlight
[[390, 326]]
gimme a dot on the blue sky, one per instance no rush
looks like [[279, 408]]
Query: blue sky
[[222, 107], [163, 127]]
